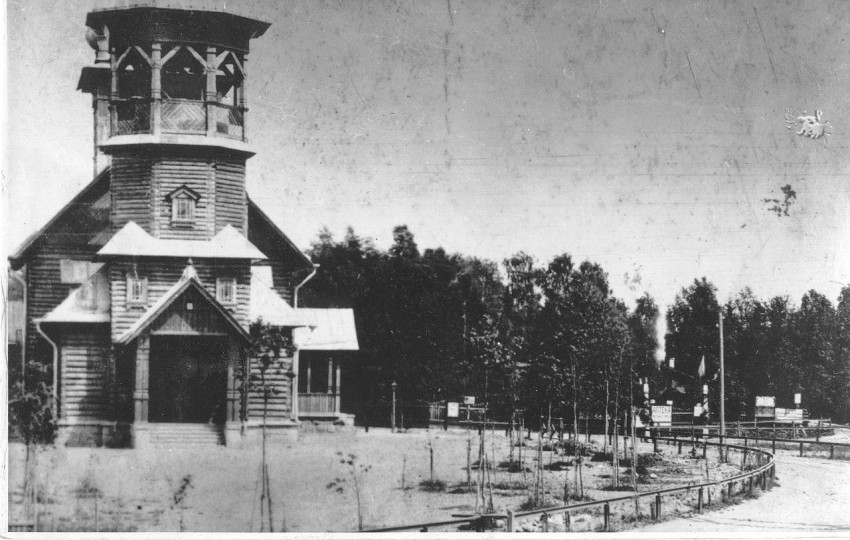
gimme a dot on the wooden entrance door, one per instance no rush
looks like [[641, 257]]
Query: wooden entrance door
[[188, 379]]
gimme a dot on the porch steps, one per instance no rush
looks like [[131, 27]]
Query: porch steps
[[180, 435]]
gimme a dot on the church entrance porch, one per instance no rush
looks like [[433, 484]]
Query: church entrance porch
[[188, 379]]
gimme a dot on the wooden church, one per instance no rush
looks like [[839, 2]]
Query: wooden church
[[141, 291]]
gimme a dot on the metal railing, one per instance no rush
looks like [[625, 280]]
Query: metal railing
[[762, 475], [835, 450]]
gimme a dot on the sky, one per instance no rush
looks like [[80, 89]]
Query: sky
[[641, 135]]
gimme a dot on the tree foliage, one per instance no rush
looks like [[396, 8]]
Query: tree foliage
[[520, 335]]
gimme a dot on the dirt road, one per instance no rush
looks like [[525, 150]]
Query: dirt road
[[812, 495]]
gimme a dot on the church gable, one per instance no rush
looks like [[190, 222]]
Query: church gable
[[191, 314]]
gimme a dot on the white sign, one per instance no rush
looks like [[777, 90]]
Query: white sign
[[789, 414], [469, 400], [797, 399], [765, 401], [662, 415], [765, 406], [452, 409]]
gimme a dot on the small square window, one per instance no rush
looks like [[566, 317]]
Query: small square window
[[225, 290], [182, 209], [137, 290]]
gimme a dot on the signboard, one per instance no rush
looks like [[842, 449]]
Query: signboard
[[469, 400], [662, 415], [789, 415], [797, 399], [765, 406], [452, 409]]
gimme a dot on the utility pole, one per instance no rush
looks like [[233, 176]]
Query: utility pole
[[722, 380]]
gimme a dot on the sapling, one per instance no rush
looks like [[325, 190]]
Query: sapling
[[356, 472]]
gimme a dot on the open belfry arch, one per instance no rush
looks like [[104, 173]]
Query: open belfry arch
[[141, 292]]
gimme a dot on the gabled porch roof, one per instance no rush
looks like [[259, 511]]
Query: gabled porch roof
[[188, 280]]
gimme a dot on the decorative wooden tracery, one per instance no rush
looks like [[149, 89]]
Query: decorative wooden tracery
[[161, 91]]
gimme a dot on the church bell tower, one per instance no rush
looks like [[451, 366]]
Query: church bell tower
[[170, 116]]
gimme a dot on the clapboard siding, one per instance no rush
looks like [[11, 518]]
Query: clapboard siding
[[230, 200], [282, 281], [85, 386], [280, 402], [173, 171], [162, 275], [66, 238], [131, 189]]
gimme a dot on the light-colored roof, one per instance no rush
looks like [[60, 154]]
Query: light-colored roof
[[132, 240], [334, 330], [88, 303], [188, 279], [267, 305]]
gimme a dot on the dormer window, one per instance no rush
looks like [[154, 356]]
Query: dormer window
[[183, 201]]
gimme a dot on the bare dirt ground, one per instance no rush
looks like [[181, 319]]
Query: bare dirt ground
[[812, 494], [104, 489]]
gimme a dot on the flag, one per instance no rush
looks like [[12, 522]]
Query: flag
[[701, 370]]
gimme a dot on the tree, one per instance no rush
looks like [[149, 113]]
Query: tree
[[269, 346], [693, 334]]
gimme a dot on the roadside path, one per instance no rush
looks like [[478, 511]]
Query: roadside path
[[812, 495]]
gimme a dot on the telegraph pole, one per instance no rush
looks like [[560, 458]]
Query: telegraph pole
[[722, 380]]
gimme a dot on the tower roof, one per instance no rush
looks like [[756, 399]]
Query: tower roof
[[214, 22]]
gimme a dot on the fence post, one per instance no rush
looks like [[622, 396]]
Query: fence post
[[831, 451], [568, 521], [801, 448], [545, 522], [751, 485], [704, 450], [774, 443], [510, 524], [607, 515], [731, 487], [657, 506], [699, 501], [680, 447], [817, 437]]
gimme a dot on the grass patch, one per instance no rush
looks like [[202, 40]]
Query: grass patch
[[460, 488], [558, 465], [432, 486], [513, 466], [510, 486]]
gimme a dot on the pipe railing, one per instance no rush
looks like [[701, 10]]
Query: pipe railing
[[762, 475]]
